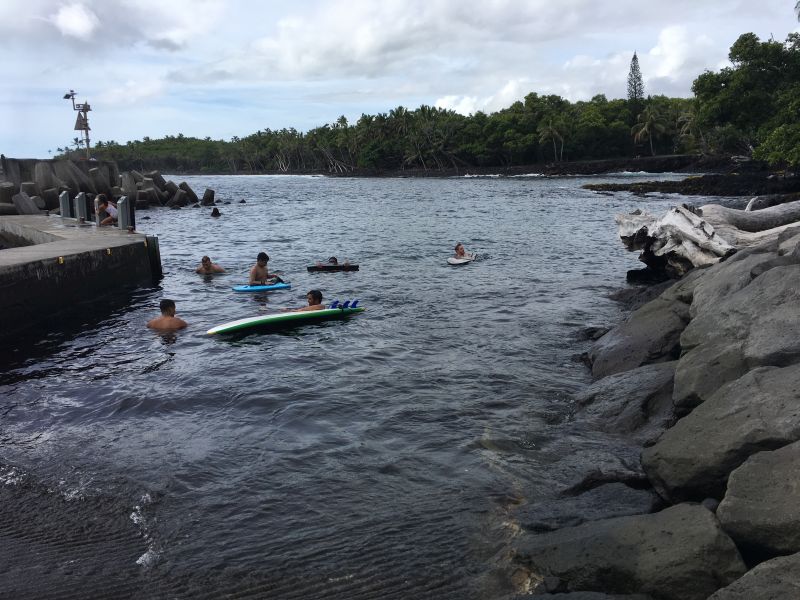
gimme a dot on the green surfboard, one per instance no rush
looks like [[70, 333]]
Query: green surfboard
[[283, 319]]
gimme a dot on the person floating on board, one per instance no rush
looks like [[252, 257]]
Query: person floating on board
[[332, 262], [109, 209], [314, 298], [259, 275], [167, 321], [208, 268]]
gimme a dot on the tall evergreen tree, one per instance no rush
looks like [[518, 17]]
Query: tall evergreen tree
[[635, 88]]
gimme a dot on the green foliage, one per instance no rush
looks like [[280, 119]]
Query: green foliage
[[782, 147], [755, 102]]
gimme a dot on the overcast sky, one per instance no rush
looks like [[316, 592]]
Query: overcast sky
[[224, 68]]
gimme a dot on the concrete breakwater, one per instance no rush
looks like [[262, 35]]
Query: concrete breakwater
[[701, 389], [31, 186], [53, 264]]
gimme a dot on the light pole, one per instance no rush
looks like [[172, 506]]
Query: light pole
[[82, 121]]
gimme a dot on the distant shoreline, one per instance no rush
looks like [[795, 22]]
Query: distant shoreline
[[688, 163]]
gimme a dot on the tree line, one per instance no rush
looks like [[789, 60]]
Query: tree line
[[750, 108]]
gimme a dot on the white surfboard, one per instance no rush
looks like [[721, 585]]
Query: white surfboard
[[468, 258]]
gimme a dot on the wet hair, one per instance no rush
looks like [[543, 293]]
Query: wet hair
[[262, 256], [205, 259], [332, 260], [457, 245], [316, 296], [166, 304]]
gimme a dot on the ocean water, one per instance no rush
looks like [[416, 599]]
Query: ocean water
[[382, 456]]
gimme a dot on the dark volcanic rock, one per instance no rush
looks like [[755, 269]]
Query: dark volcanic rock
[[650, 334], [603, 502], [759, 411], [776, 579], [680, 553], [636, 402], [761, 509], [756, 325]]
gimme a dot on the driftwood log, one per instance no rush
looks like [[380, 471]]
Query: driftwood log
[[687, 237]]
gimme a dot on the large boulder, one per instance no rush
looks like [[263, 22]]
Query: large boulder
[[636, 402], [25, 204], [754, 326], [208, 197], [128, 184], [761, 509], [650, 334], [776, 579], [680, 553], [6, 192], [759, 411], [189, 192]]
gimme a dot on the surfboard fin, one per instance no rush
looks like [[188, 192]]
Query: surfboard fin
[[354, 304], [346, 304], [335, 304]]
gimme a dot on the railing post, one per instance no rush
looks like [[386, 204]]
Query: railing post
[[65, 205], [96, 211], [80, 207], [124, 214]]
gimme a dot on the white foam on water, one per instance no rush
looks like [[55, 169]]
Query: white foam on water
[[153, 552], [11, 476]]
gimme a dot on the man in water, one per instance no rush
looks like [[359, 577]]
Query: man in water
[[314, 298], [110, 211], [259, 275], [208, 268], [167, 321], [460, 252]]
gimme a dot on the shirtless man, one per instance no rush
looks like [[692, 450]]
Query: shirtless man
[[208, 268], [167, 321], [259, 274], [460, 252], [314, 298]]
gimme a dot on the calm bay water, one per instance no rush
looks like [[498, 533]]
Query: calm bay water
[[371, 458]]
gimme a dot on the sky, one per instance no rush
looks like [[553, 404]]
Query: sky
[[225, 68]]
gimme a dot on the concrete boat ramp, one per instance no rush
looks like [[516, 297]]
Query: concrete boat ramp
[[49, 265]]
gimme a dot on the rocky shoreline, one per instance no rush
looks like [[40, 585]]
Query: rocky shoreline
[[700, 389]]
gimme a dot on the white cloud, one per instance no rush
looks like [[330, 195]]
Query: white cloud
[[215, 66], [75, 20], [131, 92], [677, 53]]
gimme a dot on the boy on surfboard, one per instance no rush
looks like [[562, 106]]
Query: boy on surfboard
[[259, 274]]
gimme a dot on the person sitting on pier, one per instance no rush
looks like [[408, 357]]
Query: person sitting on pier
[[167, 321], [259, 275], [208, 268], [108, 209]]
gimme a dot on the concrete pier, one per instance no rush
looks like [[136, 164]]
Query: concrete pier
[[53, 264]]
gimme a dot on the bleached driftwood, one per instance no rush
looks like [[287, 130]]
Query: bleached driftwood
[[689, 237]]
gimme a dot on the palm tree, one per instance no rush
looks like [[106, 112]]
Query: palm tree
[[688, 127], [650, 123], [549, 132]]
